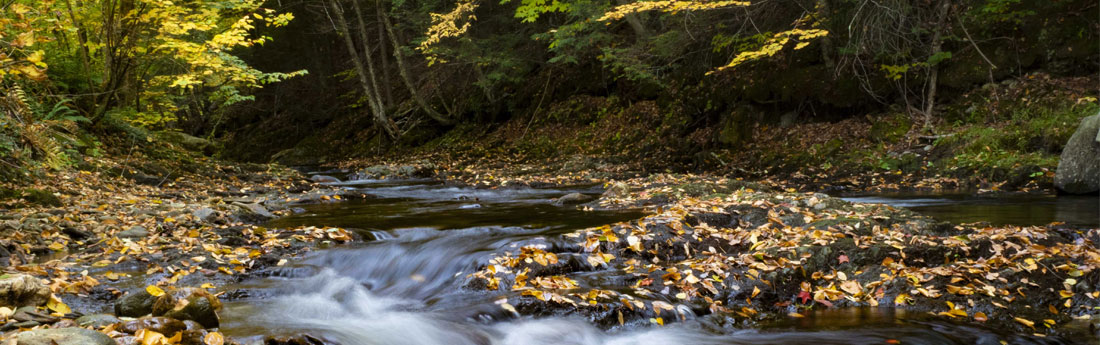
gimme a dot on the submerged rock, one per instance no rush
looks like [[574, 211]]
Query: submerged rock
[[300, 339], [1079, 168], [572, 198], [22, 289], [63, 336], [324, 179]]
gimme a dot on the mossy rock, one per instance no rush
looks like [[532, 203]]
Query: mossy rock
[[31, 196]]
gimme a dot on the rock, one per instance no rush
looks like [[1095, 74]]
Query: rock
[[32, 314], [137, 303], [193, 337], [14, 325], [572, 198], [254, 209], [163, 325], [136, 231], [300, 339], [22, 289], [324, 179], [97, 320], [204, 214], [189, 304], [63, 336], [1079, 168], [190, 142], [617, 190], [75, 233], [192, 325]]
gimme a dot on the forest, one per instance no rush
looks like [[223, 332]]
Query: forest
[[549, 171]]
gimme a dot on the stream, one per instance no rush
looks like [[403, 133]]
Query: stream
[[404, 283]]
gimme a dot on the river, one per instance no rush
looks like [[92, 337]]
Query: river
[[404, 283]]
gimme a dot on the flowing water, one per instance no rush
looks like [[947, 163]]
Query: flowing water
[[404, 284]]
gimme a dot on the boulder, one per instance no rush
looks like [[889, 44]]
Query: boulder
[[97, 320], [189, 304], [63, 336], [572, 198], [136, 231], [22, 289], [1079, 168], [189, 142], [137, 303], [300, 339]]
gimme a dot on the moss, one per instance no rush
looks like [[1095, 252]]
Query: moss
[[31, 196], [890, 128]]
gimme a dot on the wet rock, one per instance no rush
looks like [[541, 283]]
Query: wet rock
[[617, 190], [22, 289], [135, 304], [136, 231], [1079, 168], [189, 304], [75, 233], [32, 314], [324, 179], [204, 214], [14, 325], [63, 336], [163, 325], [253, 209], [192, 325], [193, 337], [97, 320], [300, 339], [571, 199]]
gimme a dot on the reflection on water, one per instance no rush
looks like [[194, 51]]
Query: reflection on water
[[1010, 209]]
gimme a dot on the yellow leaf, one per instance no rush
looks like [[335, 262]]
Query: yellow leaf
[[1025, 322], [1065, 294], [57, 246], [796, 315], [57, 305], [903, 299], [213, 338], [112, 275], [154, 290], [755, 291], [980, 317]]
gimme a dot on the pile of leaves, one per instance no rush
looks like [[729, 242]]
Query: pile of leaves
[[750, 256]]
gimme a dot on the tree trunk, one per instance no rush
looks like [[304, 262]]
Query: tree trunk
[[365, 41], [636, 24], [380, 116], [387, 90], [934, 71], [403, 71]]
